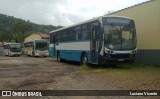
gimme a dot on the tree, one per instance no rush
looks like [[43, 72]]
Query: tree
[[5, 37], [15, 29], [20, 30]]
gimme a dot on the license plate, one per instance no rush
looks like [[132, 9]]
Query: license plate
[[41, 53], [120, 59]]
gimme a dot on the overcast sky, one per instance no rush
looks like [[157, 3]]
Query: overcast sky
[[62, 12]]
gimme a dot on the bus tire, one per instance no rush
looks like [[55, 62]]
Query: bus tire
[[84, 60]]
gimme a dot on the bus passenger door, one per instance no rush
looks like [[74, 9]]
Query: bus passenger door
[[93, 45]]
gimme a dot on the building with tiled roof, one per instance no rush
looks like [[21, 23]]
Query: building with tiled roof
[[37, 36]]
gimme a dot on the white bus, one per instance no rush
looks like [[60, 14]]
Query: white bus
[[12, 49], [96, 41], [36, 48]]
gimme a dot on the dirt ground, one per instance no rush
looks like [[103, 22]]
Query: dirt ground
[[31, 73]]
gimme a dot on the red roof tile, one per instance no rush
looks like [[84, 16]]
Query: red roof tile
[[43, 36]]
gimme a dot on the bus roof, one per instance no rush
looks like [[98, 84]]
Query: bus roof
[[45, 40], [94, 19]]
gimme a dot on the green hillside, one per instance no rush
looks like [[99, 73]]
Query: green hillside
[[15, 29]]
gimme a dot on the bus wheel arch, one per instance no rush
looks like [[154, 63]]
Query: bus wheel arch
[[84, 58]]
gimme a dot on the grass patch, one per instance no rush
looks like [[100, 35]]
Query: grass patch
[[122, 68], [125, 76], [89, 69]]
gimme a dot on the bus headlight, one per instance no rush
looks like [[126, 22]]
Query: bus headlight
[[110, 52]]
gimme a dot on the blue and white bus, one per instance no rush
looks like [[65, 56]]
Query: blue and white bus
[[96, 41]]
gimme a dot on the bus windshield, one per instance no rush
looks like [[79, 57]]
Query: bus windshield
[[15, 47], [41, 46], [120, 35]]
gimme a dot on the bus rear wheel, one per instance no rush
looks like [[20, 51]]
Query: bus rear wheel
[[84, 59]]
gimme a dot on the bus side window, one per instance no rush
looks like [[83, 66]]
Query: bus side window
[[58, 37], [62, 36], [80, 35], [88, 31], [70, 35], [51, 38], [78, 32], [84, 32]]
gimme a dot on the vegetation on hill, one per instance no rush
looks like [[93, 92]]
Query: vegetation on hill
[[15, 29]]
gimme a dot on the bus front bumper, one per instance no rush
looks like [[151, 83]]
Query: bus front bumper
[[15, 53], [42, 54], [119, 57]]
